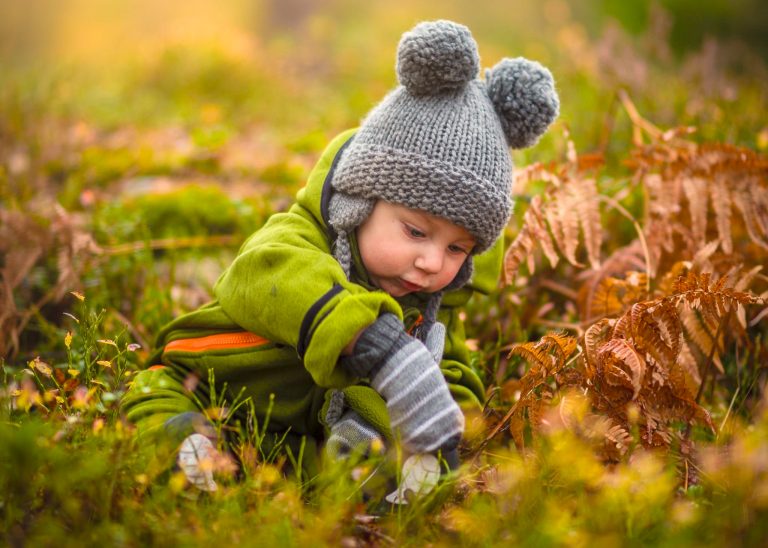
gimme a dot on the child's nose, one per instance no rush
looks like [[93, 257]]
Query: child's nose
[[430, 260]]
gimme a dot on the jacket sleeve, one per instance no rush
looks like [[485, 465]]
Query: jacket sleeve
[[286, 285], [463, 381]]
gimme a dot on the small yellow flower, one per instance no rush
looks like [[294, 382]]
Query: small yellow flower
[[177, 482], [80, 296], [41, 366], [68, 339], [104, 363]]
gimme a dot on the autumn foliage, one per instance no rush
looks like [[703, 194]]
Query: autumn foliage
[[655, 316]]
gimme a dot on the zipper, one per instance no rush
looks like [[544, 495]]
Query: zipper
[[243, 339]]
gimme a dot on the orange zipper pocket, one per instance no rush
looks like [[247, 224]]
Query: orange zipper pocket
[[243, 339]]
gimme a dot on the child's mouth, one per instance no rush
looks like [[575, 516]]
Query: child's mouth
[[410, 286]]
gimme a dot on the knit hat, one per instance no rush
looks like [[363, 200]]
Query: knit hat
[[440, 141]]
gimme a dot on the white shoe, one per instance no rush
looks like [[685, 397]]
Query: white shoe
[[196, 457]]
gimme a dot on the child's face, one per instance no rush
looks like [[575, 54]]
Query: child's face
[[408, 250]]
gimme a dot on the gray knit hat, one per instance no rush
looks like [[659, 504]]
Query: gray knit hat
[[440, 141]]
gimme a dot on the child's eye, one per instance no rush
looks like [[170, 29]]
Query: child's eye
[[457, 249], [415, 232]]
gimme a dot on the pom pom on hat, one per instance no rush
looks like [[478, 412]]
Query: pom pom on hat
[[437, 57], [523, 95]]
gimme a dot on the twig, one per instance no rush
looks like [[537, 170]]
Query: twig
[[637, 120], [559, 288], [172, 243], [557, 325], [728, 413], [132, 329], [618, 207], [513, 409], [711, 356]]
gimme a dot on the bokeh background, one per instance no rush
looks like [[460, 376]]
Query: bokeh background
[[299, 67]]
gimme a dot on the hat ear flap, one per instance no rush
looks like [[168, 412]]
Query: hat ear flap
[[524, 97], [463, 275]]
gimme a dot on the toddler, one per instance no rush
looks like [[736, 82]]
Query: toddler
[[339, 319]]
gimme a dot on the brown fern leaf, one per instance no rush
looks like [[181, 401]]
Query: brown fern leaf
[[533, 231], [687, 363], [540, 232], [666, 318], [535, 353], [624, 358], [564, 222], [585, 198], [695, 192], [754, 211], [612, 295], [537, 407], [617, 443], [622, 262], [563, 346], [520, 249], [606, 300], [622, 329], [517, 429], [679, 385], [697, 333], [646, 335], [721, 203], [594, 337]]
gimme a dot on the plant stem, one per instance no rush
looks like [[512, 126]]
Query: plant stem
[[711, 356]]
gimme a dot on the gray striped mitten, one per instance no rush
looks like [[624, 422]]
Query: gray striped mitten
[[351, 433], [404, 372], [435, 341]]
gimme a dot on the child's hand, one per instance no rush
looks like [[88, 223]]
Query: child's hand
[[435, 341], [352, 433], [401, 369]]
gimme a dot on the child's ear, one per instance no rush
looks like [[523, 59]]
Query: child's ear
[[524, 97]]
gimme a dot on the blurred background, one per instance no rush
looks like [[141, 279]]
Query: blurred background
[[308, 68], [149, 121]]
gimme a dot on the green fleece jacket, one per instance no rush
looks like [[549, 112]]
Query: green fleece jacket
[[286, 287]]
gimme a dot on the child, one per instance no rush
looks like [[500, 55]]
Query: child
[[345, 309]]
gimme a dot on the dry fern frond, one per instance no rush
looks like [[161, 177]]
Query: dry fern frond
[[612, 296], [585, 197], [695, 192], [595, 336], [554, 220], [721, 203], [535, 353], [533, 231], [698, 334], [548, 358], [621, 361]]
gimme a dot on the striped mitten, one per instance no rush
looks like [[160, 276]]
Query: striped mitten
[[351, 433], [405, 373]]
